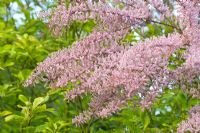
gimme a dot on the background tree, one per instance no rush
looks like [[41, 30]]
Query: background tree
[[27, 41]]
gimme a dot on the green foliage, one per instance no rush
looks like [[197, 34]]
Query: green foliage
[[42, 110], [30, 112], [176, 59]]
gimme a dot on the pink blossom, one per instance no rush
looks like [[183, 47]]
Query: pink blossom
[[192, 124]]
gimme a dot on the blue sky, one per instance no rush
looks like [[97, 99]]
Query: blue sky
[[20, 16]]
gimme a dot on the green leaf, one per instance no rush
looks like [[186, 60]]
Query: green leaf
[[37, 102], [23, 99], [13, 117], [41, 128], [8, 64], [88, 26], [40, 108], [145, 118], [40, 100], [146, 121], [4, 113]]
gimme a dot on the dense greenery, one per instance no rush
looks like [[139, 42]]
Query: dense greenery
[[26, 42]]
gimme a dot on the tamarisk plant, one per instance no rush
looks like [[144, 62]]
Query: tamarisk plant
[[113, 72]]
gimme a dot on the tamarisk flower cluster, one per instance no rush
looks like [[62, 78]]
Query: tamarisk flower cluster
[[77, 62], [100, 11], [190, 19], [113, 73], [193, 123]]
